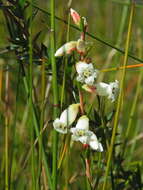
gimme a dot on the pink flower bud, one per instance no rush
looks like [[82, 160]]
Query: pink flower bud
[[75, 16]]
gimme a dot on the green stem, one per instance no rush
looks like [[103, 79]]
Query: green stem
[[6, 133], [120, 97], [55, 95], [30, 86], [41, 119], [66, 62]]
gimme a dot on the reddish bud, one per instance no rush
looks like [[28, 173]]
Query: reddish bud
[[75, 16]]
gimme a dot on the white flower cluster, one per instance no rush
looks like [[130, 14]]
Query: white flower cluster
[[81, 131], [87, 74]]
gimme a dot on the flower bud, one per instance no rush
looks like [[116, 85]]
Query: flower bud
[[67, 48], [75, 16]]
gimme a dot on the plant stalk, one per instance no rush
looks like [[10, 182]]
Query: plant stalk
[[120, 96], [55, 95]]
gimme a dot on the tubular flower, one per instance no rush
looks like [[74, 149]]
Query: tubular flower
[[67, 118], [111, 90], [86, 73], [67, 48], [81, 131], [75, 16]]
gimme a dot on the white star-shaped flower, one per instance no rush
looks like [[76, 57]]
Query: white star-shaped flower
[[82, 133], [86, 73]]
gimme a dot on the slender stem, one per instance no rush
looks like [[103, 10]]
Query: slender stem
[[1, 77], [55, 95], [66, 62], [81, 102], [120, 68], [30, 86], [133, 108], [6, 131], [120, 97], [43, 82]]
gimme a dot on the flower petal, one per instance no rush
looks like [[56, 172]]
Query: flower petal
[[60, 126], [81, 66], [66, 49], [94, 144], [102, 89], [111, 90], [83, 123], [69, 115]]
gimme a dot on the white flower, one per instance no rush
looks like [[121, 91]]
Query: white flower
[[67, 118], [80, 78], [60, 126], [102, 89], [67, 48], [111, 90], [86, 72], [94, 144], [90, 80], [81, 131]]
